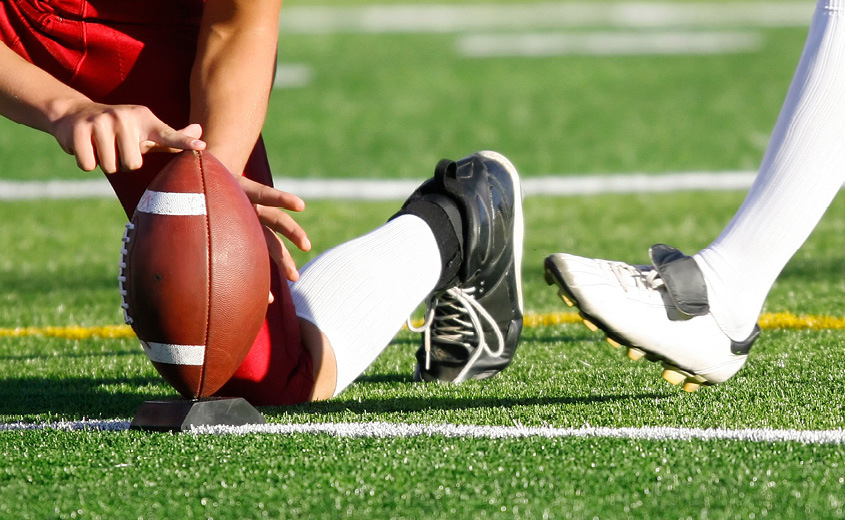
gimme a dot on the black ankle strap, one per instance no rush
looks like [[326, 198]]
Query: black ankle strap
[[444, 219], [683, 279]]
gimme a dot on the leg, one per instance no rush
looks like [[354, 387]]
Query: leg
[[802, 171], [355, 297], [350, 301], [325, 364], [697, 314], [358, 294]]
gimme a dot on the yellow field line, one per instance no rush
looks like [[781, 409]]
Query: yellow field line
[[72, 332], [772, 320], [785, 320], [775, 320]]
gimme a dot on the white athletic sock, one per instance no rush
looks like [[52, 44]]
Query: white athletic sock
[[360, 292], [801, 172]]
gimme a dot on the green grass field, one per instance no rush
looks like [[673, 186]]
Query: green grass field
[[390, 106]]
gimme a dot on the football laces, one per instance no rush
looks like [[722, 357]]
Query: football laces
[[121, 275]]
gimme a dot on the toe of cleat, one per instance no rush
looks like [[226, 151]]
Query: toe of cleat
[[551, 280]]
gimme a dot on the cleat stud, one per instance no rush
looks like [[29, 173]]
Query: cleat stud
[[635, 354], [691, 386], [590, 325], [613, 342], [566, 299], [673, 376]]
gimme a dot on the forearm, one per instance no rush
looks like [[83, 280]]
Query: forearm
[[111, 136], [31, 96], [232, 75]]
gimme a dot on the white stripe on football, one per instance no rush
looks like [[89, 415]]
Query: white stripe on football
[[167, 203], [193, 355]]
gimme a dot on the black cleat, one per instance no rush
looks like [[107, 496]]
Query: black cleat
[[474, 316]]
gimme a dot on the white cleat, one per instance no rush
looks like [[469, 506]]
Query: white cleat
[[658, 312]]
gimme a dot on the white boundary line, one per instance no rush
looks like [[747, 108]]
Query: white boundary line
[[392, 189], [397, 430], [56, 189], [292, 75], [419, 18], [545, 44], [114, 425]]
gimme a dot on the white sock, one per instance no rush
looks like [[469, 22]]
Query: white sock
[[360, 292], [802, 171]]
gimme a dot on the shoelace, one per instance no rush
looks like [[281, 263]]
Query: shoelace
[[643, 277], [458, 321]]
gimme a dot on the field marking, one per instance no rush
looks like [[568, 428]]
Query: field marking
[[399, 189], [657, 433], [403, 430], [769, 321], [607, 44], [419, 18], [73, 332], [292, 75]]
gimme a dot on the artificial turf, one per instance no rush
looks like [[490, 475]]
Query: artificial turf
[[389, 106]]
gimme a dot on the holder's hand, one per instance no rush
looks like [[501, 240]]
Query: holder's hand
[[269, 205], [117, 136]]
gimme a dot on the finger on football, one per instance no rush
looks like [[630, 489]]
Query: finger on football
[[104, 143], [82, 149], [274, 244], [268, 196], [281, 222], [193, 130], [162, 138], [280, 255], [289, 266], [128, 150]]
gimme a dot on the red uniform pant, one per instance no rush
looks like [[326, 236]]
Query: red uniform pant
[[141, 52]]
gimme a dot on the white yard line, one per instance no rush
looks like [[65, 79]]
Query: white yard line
[[659, 433], [607, 44], [397, 430], [422, 18], [292, 75], [55, 189], [392, 189], [116, 425]]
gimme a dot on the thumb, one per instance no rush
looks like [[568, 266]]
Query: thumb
[[165, 139], [193, 130]]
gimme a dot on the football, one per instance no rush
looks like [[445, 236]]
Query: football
[[195, 274]]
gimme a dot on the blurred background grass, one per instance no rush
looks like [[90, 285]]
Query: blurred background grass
[[386, 105]]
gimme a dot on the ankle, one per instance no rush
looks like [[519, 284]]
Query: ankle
[[731, 309], [444, 218]]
